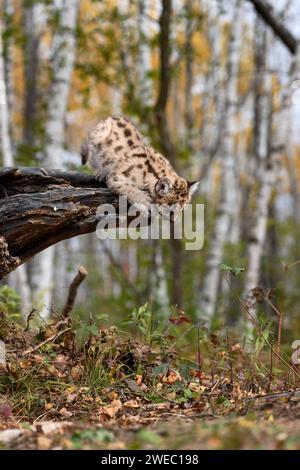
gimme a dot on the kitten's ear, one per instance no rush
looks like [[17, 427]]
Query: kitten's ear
[[163, 187], [192, 187]]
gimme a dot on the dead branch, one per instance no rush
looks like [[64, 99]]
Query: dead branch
[[266, 12], [46, 341], [39, 208], [78, 279]]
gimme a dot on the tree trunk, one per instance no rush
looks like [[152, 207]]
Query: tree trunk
[[20, 279], [229, 196], [144, 54], [6, 149], [165, 139], [64, 44], [64, 48], [33, 24], [266, 169]]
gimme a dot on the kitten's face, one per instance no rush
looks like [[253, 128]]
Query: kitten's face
[[178, 193]]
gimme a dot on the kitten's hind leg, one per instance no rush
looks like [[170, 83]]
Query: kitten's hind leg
[[102, 131]]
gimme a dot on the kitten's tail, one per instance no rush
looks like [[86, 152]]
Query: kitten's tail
[[84, 152]]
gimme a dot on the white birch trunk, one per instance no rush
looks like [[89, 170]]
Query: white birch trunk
[[35, 25], [8, 65], [64, 48], [144, 54], [269, 169], [265, 170], [229, 199], [158, 281], [6, 148], [19, 277]]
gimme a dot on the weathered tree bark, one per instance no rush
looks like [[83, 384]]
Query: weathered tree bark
[[39, 208]]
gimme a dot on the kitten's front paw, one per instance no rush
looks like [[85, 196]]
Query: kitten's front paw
[[142, 209], [100, 176]]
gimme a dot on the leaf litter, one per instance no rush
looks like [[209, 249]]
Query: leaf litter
[[118, 392]]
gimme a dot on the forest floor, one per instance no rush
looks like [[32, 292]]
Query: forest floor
[[120, 393]]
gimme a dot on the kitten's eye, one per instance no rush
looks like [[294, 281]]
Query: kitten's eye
[[163, 187]]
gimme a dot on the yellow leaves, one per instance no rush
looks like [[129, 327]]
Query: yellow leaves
[[201, 46], [244, 81]]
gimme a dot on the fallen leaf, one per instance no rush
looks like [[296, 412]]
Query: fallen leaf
[[112, 395], [76, 373], [172, 377], [64, 412], [138, 379], [132, 404], [49, 406], [112, 409]]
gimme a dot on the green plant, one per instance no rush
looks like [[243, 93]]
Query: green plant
[[9, 302], [141, 318]]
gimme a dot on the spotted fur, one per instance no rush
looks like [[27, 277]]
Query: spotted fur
[[115, 150]]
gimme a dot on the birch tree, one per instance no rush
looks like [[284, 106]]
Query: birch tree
[[265, 174], [34, 26], [6, 148], [9, 10], [19, 278], [144, 54], [228, 197], [269, 163], [63, 57]]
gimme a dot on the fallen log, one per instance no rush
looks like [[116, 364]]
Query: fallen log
[[39, 208]]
